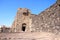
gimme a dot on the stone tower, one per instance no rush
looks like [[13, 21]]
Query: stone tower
[[22, 21]]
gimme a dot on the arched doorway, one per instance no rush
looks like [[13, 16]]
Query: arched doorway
[[23, 26]]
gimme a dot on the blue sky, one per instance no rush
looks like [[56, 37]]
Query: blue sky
[[8, 8]]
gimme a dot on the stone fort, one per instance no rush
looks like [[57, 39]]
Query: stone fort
[[27, 26], [48, 20]]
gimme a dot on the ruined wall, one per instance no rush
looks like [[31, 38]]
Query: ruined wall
[[35, 23], [48, 20], [39, 27], [23, 18]]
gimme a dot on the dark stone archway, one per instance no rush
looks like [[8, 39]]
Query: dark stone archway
[[23, 26]]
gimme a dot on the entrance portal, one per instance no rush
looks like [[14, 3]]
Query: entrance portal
[[23, 27]]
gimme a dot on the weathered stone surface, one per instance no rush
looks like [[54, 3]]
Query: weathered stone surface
[[27, 26], [48, 20], [22, 17]]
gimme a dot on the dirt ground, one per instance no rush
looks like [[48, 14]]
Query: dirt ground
[[29, 36]]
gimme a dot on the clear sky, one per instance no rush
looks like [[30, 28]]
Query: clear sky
[[8, 8]]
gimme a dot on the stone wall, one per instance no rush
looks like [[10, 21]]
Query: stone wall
[[22, 17], [45, 26], [48, 20]]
